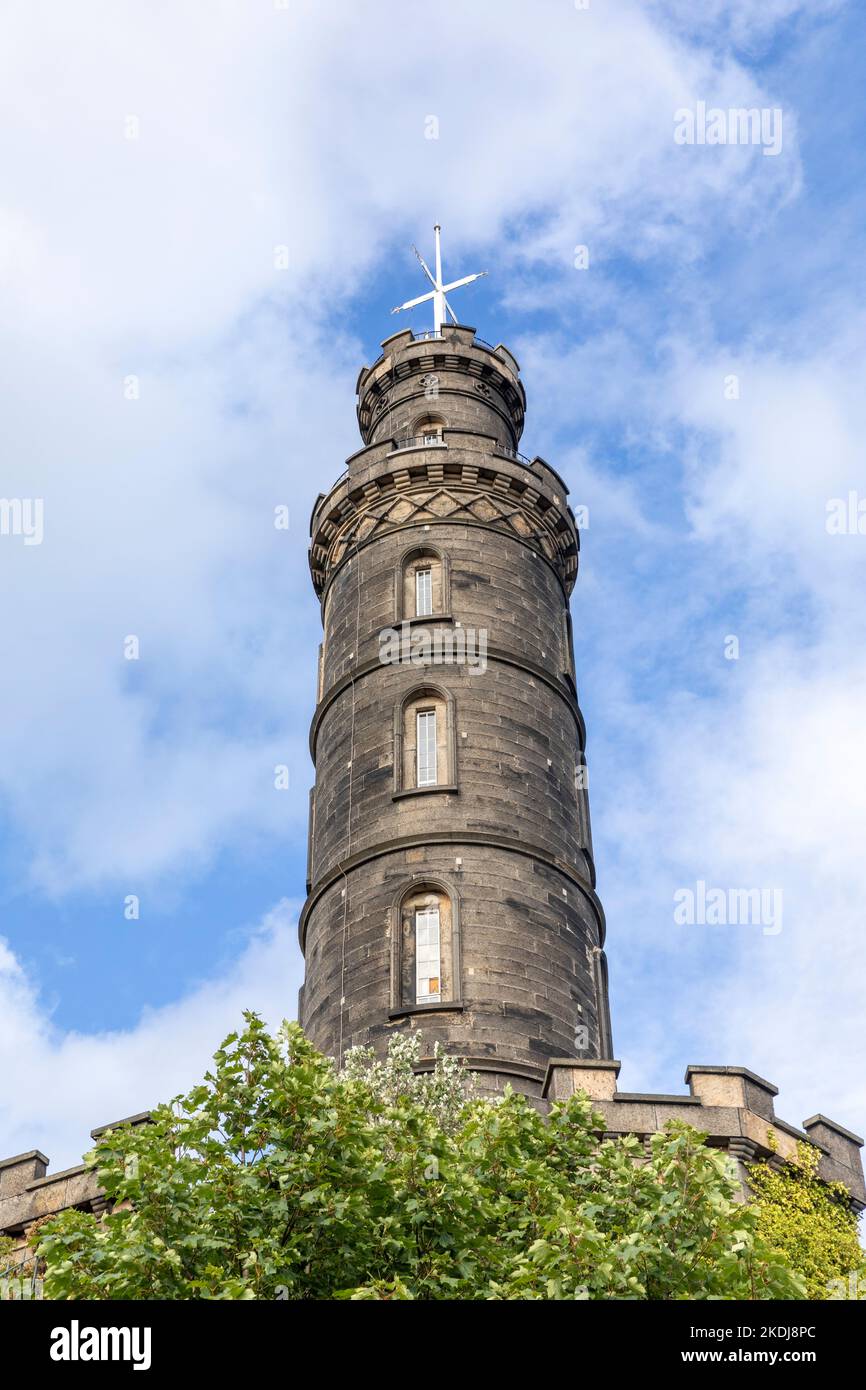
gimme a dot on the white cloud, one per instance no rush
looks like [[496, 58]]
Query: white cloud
[[57, 1086], [154, 256]]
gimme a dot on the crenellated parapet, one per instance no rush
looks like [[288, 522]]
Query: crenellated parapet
[[461, 478], [733, 1106], [29, 1193], [482, 384]]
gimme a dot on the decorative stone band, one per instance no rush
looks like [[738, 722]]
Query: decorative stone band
[[731, 1105], [501, 1066], [471, 489], [450, 837], [493, 654]]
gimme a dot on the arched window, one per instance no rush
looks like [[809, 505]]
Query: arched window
[[581, 793], [425, 971], [326, 613], [602, 994], [428, 430], [311, 832], [568, 648], [425, 757], [320, 677], [423, 585]]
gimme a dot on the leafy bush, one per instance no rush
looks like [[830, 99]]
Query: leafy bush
[[279, 1177], [810, 1224]]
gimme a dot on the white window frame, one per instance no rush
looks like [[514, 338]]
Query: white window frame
[[426, 751], [428, 955], [424, 592]]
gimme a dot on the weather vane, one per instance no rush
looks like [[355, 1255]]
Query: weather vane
[[439, 291]]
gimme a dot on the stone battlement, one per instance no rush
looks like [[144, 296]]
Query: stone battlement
[[733, 1106], [28, 1192]]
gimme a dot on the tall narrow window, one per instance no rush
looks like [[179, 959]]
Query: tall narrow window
[[425, 755], [423, 593], [428, 964], [426, 746], [423, 590], [425, 950]]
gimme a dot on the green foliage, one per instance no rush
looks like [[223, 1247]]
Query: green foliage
[[811, 1225], [279, 1177]]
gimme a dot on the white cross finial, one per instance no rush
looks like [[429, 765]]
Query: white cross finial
[[439, 291]]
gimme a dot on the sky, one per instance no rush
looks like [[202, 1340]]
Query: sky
[[206, 215]]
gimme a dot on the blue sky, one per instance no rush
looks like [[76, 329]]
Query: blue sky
[[154, 257]]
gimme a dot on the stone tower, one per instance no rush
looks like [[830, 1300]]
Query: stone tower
[[450, 879], [451, 885]]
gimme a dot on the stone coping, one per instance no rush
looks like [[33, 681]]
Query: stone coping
[[31, 1154], [831, 1124], [143, 1117], [31, 1197], [694, 1069], [657, 1098]]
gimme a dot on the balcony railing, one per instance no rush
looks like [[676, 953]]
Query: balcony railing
[[513, 454], [424, 334], [419, 441]]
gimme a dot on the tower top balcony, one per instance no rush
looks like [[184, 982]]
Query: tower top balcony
[[447, 380]]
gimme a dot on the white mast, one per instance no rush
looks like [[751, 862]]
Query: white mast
[[439, 290]]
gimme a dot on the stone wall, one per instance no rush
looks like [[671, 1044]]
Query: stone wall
[[28, 1192]]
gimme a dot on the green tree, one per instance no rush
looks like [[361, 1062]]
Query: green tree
[[810, 1224], [279, 1177]]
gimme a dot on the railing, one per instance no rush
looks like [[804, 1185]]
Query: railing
[[427, 335], [424, 334], [513, 454], [419, 441], [20, 1277]]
